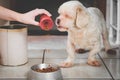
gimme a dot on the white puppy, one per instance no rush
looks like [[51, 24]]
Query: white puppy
[[85, 27]]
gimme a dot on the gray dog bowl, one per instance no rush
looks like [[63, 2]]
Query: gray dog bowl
[[41, 75]]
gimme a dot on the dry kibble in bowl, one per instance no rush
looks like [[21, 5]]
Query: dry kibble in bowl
[[45, 70]]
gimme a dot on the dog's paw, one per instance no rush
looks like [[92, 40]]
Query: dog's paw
[[94, 63], [111, 51], [66, 64]]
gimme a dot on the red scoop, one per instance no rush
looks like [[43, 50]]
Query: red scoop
[[46, 23]]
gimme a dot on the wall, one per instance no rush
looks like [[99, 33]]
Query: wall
[[23, 6]]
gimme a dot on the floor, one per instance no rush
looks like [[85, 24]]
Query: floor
[[56, 53]]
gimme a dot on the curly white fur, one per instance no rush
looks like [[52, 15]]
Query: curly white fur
[[85, 27]]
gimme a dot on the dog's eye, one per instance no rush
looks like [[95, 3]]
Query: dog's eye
[[67, 16]]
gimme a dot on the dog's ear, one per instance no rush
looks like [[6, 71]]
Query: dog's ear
[[82, 18]]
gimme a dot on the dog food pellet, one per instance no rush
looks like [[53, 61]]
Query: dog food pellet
[[49, 69]]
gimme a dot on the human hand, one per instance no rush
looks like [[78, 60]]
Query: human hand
[[29, 17]]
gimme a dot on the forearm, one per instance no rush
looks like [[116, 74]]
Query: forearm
[[26, 18], [7, 14]]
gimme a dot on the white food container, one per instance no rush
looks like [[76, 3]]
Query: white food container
[[13, 45]]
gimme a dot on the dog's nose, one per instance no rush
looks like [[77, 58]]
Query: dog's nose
[[58, 21]]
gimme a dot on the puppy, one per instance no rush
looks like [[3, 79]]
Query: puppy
[[85, 26]]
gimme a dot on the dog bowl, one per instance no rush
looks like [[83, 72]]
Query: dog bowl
[[45, 72]]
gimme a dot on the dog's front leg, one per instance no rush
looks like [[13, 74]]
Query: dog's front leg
[[92, 57], [71, 55]]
